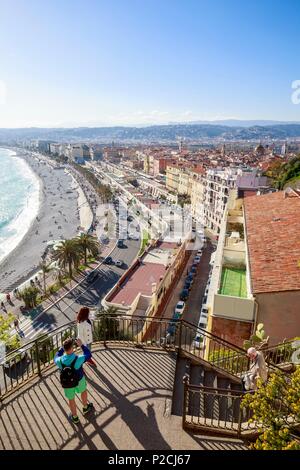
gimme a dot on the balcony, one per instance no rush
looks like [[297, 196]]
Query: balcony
[[131, 390]]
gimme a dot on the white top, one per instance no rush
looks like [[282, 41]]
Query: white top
[[84, 331]]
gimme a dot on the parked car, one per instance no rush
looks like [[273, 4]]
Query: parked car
[[190, 277], [197, 259], [193, 269], [184, 294], [176, 316], [204, 310], [180, 307], [119, 263], [199, 253], [187, 284], [120, 244], [108, 260], [92, 275]]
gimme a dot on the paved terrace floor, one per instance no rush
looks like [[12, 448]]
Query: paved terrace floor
[[131, 391]]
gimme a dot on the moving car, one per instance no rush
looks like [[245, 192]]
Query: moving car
[[92, 275], [133, 236], [184, 294], [180, 307], [13, 359]]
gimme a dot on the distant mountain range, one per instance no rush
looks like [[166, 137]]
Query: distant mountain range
[[225, 130]]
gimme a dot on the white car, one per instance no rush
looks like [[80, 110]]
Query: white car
[[199, 253], [133, 236], [198, 341], [180, 307], [119, 263]]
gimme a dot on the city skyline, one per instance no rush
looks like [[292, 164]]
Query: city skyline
[[123, 63]]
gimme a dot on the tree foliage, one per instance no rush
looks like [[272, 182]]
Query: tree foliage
[[87, 244], [275, 407], [11, 341], [30, 295]]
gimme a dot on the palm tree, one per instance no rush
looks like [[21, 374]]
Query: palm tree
[[29, 295], [58, 273], [87, 244], [45, 268], [67, 255]]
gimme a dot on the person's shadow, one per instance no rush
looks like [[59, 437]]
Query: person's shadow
[[143, 426]]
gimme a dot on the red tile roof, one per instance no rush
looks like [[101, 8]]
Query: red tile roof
[[140, 280], [273, 236]]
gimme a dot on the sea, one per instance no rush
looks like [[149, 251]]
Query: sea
[[19, 200]]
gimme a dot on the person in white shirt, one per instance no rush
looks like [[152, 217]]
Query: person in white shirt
[[258, 370], [84, 330]]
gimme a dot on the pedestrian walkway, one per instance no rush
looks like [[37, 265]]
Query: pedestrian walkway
[[31, 328], [131, 390], [29, 323]]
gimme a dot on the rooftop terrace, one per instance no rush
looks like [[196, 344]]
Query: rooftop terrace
[[233, 282]]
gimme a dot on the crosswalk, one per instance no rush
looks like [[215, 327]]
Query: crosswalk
[[32, 328]]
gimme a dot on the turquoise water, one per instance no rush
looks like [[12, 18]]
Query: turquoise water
[[19, 200]]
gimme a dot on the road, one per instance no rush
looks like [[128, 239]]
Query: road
[[88, 293]]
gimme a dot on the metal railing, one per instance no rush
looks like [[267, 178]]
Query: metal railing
[[223, 355], [215, 410], [282, 353], [35, 356]]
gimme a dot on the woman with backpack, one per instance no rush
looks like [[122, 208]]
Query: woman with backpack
[[84, 330]]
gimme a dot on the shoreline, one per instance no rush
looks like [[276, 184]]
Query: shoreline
[[37, 212], [55, 190]]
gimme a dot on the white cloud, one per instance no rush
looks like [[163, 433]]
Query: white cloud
[[3, 92]]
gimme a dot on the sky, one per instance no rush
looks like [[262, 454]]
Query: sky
[[138, 62]]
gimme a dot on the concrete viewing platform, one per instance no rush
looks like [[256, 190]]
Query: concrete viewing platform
[[131, 390]]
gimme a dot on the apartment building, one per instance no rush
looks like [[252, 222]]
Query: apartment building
[[79, 153], [256, 273], [230, 301], [172, 178], [217, 184], [143, 289], [272, 228], [156, 164], [197, 197]]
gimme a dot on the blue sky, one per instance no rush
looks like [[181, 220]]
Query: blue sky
[[105, 62]]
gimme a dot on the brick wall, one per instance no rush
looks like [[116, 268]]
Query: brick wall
[[230, 330]]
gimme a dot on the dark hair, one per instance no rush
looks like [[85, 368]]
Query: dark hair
[[68, 344], [83, 314]]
